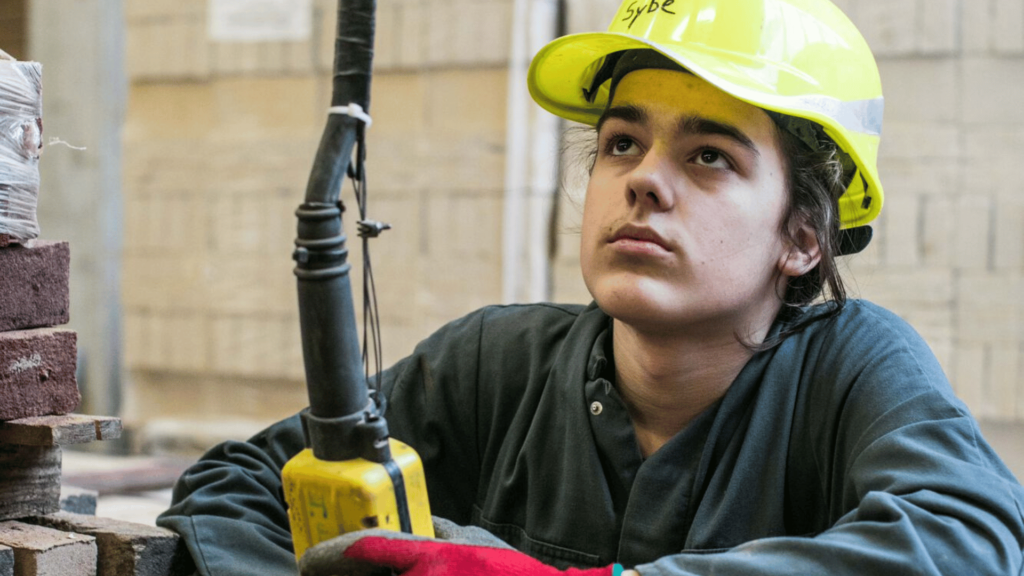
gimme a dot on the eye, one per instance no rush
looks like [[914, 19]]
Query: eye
[[622, 146], [712, 158]]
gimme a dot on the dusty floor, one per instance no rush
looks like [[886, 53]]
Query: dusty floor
[[122, 495]]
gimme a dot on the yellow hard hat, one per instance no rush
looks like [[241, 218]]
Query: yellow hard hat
[[800, 58]]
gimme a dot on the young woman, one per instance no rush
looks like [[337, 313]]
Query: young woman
[[701, 416]]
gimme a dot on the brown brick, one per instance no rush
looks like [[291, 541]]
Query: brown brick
[[34, 285], [59, 430], [126, 548], [29, 481], [41, 551], [37, 373]]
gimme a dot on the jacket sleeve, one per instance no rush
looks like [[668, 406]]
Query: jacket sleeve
[[910, 484], [229, 507]]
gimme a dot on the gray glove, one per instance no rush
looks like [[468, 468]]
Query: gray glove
[[452, 532], [327, 558]]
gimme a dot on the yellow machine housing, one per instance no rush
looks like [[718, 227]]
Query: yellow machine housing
[[326, 499]]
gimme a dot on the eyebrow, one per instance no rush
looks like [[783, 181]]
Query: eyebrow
[[628, 113], [689, 124], [701, 125]]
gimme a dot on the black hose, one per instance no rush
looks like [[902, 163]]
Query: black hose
[[330, 338]]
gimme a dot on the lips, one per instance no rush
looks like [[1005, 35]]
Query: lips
[[632, 235]]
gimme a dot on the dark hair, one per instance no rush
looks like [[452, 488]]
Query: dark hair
[[815, 179]]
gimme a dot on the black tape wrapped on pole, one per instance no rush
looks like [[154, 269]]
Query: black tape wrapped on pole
[[341, 422]]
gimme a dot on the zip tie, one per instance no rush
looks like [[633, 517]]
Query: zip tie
[[372, 228], [354, 110]]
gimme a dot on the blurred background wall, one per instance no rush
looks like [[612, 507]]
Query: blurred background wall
[[219, 141], [185, 250]]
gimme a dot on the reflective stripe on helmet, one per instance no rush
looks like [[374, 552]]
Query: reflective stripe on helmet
[[864, 116]]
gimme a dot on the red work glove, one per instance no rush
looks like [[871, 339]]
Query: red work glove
[[456, 551], [439, 558]]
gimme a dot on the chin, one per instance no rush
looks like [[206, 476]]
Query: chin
[[640, 303], [656, 307]]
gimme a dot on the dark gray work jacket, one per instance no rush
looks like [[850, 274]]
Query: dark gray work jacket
[[841, 451]]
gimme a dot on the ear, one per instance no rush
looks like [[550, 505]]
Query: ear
[[803, 253]]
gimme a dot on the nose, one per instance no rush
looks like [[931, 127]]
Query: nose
[[649, 184]]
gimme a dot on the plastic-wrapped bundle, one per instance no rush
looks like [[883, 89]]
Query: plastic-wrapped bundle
[[21, 126]]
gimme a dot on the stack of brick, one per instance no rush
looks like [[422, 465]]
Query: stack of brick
[[39, 536], [38, 388], [43, 531]]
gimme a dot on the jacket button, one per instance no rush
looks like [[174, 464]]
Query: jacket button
[[596, 408]]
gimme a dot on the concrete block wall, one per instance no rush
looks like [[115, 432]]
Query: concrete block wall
[[948, 253], [219, 141], [954, 75]]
